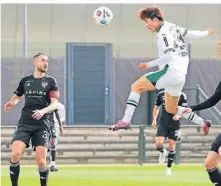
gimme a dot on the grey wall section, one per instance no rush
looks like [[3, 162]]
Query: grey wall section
[[206, 73], [51, 26]]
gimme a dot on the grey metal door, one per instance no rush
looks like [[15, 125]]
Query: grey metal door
[[89, 84]]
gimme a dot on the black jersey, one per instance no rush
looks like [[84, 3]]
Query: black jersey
[[36, 92], [166, 117], [210, 102]]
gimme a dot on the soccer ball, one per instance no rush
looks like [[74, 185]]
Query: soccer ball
[[102, 16]]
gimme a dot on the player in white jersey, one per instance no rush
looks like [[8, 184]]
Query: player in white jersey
[[173, 55], [57, 129]]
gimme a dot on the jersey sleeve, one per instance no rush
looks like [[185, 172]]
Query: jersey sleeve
[[183, 31], [20, 89], [158, 101], [54, 92], [54, 85], [192, 34]]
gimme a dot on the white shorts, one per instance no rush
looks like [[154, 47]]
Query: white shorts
[[169, 79]]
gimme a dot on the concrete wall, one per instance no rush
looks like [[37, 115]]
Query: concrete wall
[[51, 26]]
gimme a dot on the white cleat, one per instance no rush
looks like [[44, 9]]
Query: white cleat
[[168, 171], [162, 157]]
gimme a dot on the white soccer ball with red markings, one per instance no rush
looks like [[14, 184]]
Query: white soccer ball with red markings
[[103, 16]]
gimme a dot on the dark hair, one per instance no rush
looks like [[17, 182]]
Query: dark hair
[[151, 12], [39, 54]]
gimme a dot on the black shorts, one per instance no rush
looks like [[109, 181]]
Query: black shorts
[[216, 144], [36, 135], [173, 133]]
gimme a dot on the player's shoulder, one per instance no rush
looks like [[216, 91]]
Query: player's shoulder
[[167, 27], [51, 78], [27, 77]]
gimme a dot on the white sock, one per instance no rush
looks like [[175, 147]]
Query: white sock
[[132, 103], [194, 118], [52, 163]]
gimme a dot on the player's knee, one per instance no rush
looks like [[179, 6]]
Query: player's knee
[[159, 145], [210, 163], [135, 87], [16, 156], [207, 164], [172, 146], [41, 161]]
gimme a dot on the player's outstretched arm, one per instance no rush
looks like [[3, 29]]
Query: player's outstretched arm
[[11, 103], [210, 102], [197, 34]]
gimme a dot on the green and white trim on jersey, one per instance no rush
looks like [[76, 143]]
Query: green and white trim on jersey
[[153, 77]]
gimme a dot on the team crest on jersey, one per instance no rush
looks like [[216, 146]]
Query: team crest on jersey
[[44, 84]]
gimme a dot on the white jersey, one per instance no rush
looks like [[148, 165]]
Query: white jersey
[[170, 39], [61, 113]]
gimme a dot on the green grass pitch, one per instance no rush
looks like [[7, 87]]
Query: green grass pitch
[[131, 175]]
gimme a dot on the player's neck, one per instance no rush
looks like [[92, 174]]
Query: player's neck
[[38, 74], [160, 25]]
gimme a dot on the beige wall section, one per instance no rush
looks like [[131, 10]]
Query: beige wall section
[[51, 26]]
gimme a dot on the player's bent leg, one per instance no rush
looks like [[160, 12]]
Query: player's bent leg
[[137, 88], [171, 103], [204, 124], [41, 154], [18, 148]]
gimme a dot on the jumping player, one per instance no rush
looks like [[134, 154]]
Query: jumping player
[[41, 98], [172, 55]]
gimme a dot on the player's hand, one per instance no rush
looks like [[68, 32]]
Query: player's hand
[[61, 130], [210, 30], [8, 106], [143, 66], [154, 124], [38, 114]]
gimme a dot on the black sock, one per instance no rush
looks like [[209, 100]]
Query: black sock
[[43, 176], [215, 176], [14, 173], [170, 158], [160, 149], [53, 154]]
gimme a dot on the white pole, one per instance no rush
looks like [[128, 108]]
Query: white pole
[[25, 27]]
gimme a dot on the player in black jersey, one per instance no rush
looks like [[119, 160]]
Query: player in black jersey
[[41, 97], [214, 156], [169, 128]]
